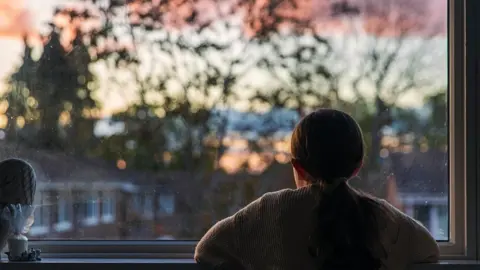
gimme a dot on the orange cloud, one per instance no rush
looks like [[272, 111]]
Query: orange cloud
[[14, 19]]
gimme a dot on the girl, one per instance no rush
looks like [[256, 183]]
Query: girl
[[324, 223]]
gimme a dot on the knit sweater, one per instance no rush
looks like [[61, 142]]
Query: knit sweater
[[273, 232]]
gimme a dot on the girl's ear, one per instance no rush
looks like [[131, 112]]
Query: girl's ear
[[357, 169], [300, 171]]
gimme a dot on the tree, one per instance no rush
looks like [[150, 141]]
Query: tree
[[392, 61], [17, 97], [298, 65], [437, 127], [52, 98], [382, 52], [50, 102]]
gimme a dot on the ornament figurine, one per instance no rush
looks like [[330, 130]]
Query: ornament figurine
[[17, 192]]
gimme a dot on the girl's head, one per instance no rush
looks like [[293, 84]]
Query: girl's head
[[326, 145], [327, 149]]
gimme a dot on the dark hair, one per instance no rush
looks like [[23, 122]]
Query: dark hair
[[328, 145]]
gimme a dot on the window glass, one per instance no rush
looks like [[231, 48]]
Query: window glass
[[442, 223], [175, 120]]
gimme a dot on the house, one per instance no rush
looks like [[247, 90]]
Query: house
[[417, 183], [79, 198]]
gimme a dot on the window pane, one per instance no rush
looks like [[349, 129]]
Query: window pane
[[155, 124]]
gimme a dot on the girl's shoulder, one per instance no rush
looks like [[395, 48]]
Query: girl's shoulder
[[293, 197]]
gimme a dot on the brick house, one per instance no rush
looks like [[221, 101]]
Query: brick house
[[80, 198]]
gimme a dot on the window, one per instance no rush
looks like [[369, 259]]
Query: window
[[62, 210], [143, 110], [137, 202], [108, 207], [148, 206], [92, 210], [166, 204], [64, 222], [41, 224]]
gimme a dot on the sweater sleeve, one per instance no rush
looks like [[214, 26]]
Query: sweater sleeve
[[219, 248], [423, 247], [411, 242]]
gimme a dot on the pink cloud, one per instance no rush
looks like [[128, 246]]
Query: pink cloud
[[379, 17]]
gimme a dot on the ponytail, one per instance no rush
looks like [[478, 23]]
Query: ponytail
[[346, 231], [327, 146]]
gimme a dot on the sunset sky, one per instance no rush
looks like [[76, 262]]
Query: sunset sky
[[29, 16], [17, 17]]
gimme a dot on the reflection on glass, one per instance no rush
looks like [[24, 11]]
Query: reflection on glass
[[151, 121]]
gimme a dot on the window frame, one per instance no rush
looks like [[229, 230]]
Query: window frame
[[472, 61], [463, 199], [462, 133]]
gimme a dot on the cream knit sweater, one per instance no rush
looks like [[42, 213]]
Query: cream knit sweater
[[273, 231]]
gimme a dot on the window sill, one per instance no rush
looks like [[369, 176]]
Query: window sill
[[448, 265], [94, 264], [173, 264]]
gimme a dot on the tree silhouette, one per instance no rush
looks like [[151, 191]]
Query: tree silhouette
[[379, 58], [50, 102], [52, 97]]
